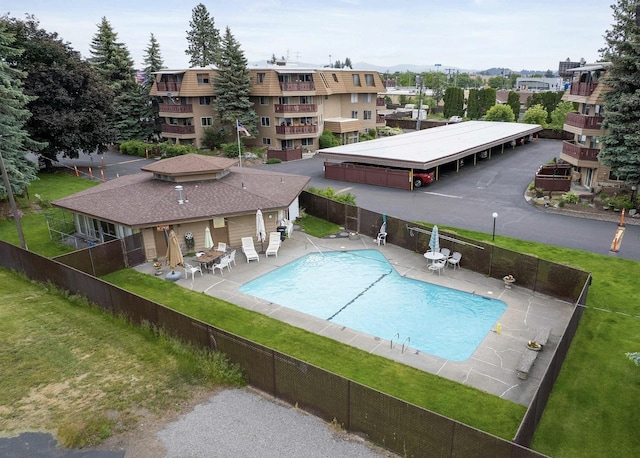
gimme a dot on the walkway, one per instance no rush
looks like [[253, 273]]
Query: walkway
[[491, 368]]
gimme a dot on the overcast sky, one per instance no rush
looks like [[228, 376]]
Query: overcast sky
[[464, 34]]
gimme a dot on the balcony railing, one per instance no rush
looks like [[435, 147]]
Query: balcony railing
[[304, 108], [582, 88], [580, 152], [168, 87], [292, 130], [380, 120], [583, 121], [298, 86], [173, 129], [168, 108], [381, 102]]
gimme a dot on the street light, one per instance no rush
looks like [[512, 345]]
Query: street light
[[12, 202], [495, 217]]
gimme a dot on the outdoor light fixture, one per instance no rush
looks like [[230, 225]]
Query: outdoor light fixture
[[495, 217], [12, 202]]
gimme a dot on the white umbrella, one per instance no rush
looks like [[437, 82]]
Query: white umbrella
[[434, 241], [208, 241], [261, 232]]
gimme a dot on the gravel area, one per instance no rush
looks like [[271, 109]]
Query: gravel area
[[243, 423]]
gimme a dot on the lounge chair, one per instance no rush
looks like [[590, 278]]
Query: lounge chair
[[454, 260], [249, 249], [274, 244]]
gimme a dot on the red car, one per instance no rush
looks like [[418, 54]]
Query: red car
[[422, 177]]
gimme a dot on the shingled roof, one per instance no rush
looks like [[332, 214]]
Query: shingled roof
[[140, 201]]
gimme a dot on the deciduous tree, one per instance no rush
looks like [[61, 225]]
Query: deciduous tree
[[501, 113], [535, 115], [204, 39]]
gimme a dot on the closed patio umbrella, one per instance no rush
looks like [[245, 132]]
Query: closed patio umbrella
[[261, 232], [174, 255], [208, 241], [434, 241]]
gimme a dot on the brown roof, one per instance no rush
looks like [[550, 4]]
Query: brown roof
[[190, 164], [140, 201]]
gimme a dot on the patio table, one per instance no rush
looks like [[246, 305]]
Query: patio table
[[434, 256], [210, 257]]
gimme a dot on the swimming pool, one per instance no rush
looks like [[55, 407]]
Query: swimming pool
[[362, 291]]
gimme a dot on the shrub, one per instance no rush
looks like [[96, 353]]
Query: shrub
[[571, 198], [231, 149], [328, 140], [330, 193], [134, 148], [274, 160]]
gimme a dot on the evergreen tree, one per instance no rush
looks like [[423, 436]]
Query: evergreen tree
[[473, 104], [621, 143], [347, 63], [15, 141], [232, 86], [453, 102], [513, 100], [71, 104], [153, 62], [130, 105], [487, 99], [204, 39]]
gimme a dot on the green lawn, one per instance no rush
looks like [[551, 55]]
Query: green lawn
[[593, 407]]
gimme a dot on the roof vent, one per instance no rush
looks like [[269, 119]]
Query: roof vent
[[179, 191]]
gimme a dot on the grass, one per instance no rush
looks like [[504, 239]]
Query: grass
[[70, 368], [318, 227], [592, 410]]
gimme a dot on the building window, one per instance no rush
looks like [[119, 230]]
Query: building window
[[367, 98], [287, 144], [205, 100], [335, 77], [266, 141], [354, 98], [264, 100], [203, 78], [368, 78], [265, 121], [367, 114], [206, 122], [306, 142], [261, 78], [356, 79], [354, 114]]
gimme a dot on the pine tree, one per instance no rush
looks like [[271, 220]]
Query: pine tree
[[15, 141], [232, 86], [204, 39], [513, 100], [130, 105], [153, 62], [621, 143]]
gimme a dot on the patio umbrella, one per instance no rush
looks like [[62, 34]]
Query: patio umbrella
[[208, 241], [434, 242], [261, 232], [174, 255]]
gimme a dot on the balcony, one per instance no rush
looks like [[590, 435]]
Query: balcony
[[585, 89], [168, 87], [294, 130], [298, 86], [305, 108], [584, 122], [381, 102], [168, 108], [580, 153], [380, 120], [182, 130]]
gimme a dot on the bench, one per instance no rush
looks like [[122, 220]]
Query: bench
[[526, 362]]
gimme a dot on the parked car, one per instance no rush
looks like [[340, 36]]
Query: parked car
[[422, 177], [456, 119]]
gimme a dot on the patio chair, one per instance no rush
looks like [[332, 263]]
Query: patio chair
[[232, 258], [381, 238], [190, 269], [221, 247], [225, 261], [274, 244], [249, 249], [446, 252], [454, 260], [437, 266]]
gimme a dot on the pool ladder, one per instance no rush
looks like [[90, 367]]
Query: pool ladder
[[405, 344]]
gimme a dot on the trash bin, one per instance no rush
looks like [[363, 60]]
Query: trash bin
[[283, 232]]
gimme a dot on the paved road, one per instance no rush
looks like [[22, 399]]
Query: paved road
[[467, 199]]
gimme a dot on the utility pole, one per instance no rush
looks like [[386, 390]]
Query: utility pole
[[12, 202], [420, 81]]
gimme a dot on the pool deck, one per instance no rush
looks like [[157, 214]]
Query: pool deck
[[491, 368]]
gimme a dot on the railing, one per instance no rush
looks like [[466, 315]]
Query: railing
[[289, 130], [381, 102], [298, 86], [173, 129], [381, 120], [168, 87], [168, 108], [582, 88], [298, 108], [583, 121], [579, 152]]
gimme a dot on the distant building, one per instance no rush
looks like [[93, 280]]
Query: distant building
[[531, 84], [565, 65]]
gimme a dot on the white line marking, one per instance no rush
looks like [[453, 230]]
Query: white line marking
[[443, 195], [344, 190]]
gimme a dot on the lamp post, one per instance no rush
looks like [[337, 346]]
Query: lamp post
[[12, 202], [495, 217]]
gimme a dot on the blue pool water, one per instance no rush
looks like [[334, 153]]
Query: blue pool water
[[362, 291]]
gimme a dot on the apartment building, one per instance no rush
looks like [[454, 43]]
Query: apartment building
[[294, 105], [587, 91]]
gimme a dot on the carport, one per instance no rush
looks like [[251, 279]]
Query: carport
[[424, 150]]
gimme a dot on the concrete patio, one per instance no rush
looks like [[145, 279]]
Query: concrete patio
[[491, 368]]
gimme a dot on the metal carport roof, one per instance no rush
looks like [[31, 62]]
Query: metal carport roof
[[429, 148]]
